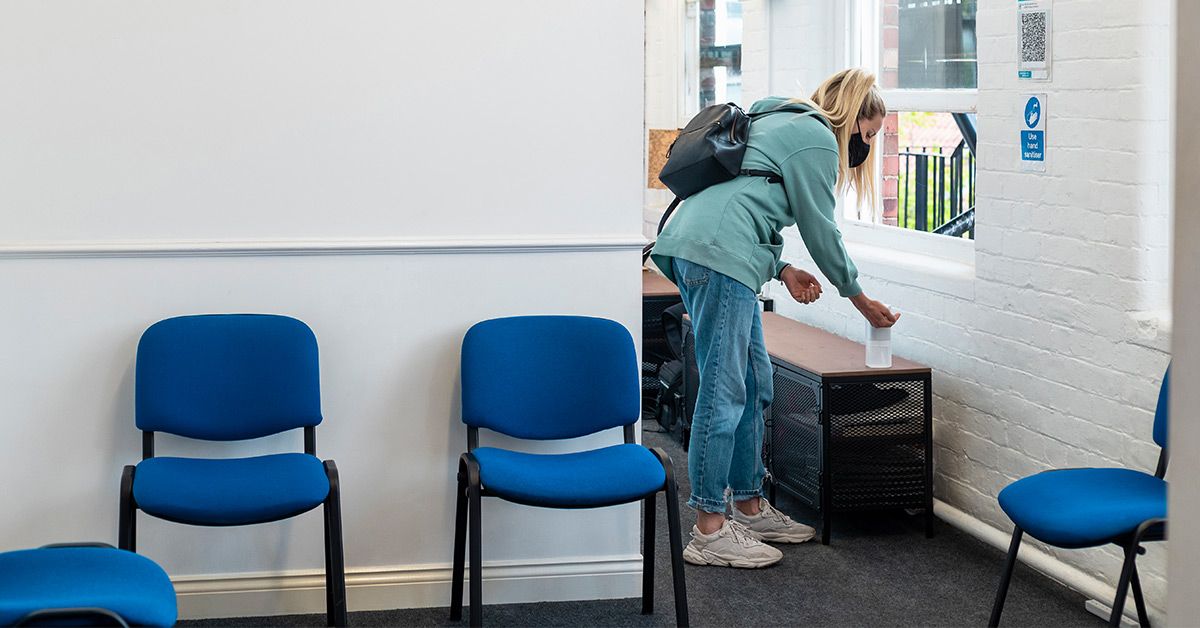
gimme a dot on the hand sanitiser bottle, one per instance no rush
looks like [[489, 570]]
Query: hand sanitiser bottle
[[879, 346]]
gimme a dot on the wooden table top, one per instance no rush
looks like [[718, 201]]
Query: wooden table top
[[655, 285], [821, 353]]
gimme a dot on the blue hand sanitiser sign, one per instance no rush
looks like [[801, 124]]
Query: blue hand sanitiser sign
[[1033, 133]]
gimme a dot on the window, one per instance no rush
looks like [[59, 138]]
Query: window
[[934, 172], [713, 54], [720, 52], [923, 52], [928, 44]]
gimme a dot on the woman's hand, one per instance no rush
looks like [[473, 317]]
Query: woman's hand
[[877, 313], [803, 287]]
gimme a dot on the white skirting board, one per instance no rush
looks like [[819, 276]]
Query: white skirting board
[[1101, 593], [414, 586], [418, 586]]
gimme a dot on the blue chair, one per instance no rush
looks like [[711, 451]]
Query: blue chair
[[226, 377], [1077, 508], [546, 378], [83, 584]]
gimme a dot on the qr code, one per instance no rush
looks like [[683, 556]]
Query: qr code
[[1033, 37]]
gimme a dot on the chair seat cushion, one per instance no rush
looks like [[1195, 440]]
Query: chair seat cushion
[[1074, 508], [599, 477], [234, 491], [129, 585]]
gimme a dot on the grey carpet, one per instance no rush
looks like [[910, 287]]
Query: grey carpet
[[879, 570]]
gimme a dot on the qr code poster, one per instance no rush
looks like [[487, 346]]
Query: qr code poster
[[1033, 40]]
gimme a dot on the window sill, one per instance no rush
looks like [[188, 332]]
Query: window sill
[[919, 260], [917, 243], [916, 270], [911, 258]]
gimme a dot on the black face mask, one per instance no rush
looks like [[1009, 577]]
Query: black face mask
[[859, 149]]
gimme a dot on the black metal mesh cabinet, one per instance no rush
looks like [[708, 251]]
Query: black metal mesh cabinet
[[841, 437]]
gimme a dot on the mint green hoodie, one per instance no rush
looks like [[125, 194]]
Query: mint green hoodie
[[734, 227]]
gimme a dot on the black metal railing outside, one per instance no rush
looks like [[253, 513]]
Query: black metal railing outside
[[937, 190]]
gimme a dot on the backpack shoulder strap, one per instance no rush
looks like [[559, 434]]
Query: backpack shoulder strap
[[800, 110], [661, 223]]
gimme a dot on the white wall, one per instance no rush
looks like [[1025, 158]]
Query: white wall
[[218, 120], [1183, 605], [389, 173], [1049, 343]]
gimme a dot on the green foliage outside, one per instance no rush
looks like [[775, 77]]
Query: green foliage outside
[[908, 121]]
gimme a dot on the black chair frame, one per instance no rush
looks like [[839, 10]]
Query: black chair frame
[[82, 616], [467, 519], [335, 566], [1148, 531]]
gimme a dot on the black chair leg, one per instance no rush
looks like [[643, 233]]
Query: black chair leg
[[677, 575], [460, 546], [329, 611], [1138, 600], [1002, 592], [648, 515], [127, 515], [1123, 584], [335, 562], [476, 588]]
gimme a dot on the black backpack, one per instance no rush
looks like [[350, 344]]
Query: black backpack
[[677, 388], [709, 150]]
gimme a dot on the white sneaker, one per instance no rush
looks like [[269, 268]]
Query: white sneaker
[[773, 526], [731, 546]]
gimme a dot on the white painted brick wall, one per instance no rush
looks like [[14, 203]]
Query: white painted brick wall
[[1054, 358], [664, 63], [757, 24], [800, 38]]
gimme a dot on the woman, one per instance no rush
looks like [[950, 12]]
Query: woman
[[721, 247]]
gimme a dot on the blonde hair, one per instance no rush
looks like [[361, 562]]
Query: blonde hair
[[844, 99]]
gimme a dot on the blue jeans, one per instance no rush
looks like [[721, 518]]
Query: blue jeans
[[735, 386]]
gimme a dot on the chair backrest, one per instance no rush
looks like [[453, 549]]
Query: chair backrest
[[548, 377], [227, 376], [1160, 411]]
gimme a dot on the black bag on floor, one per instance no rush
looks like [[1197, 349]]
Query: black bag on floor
[[670, 394], [679, 379], [670, 374]]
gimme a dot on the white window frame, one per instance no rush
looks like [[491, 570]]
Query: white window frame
[[690, 98], [860, 23]]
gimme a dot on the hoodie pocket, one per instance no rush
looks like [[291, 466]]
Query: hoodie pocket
[[766, 255]]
